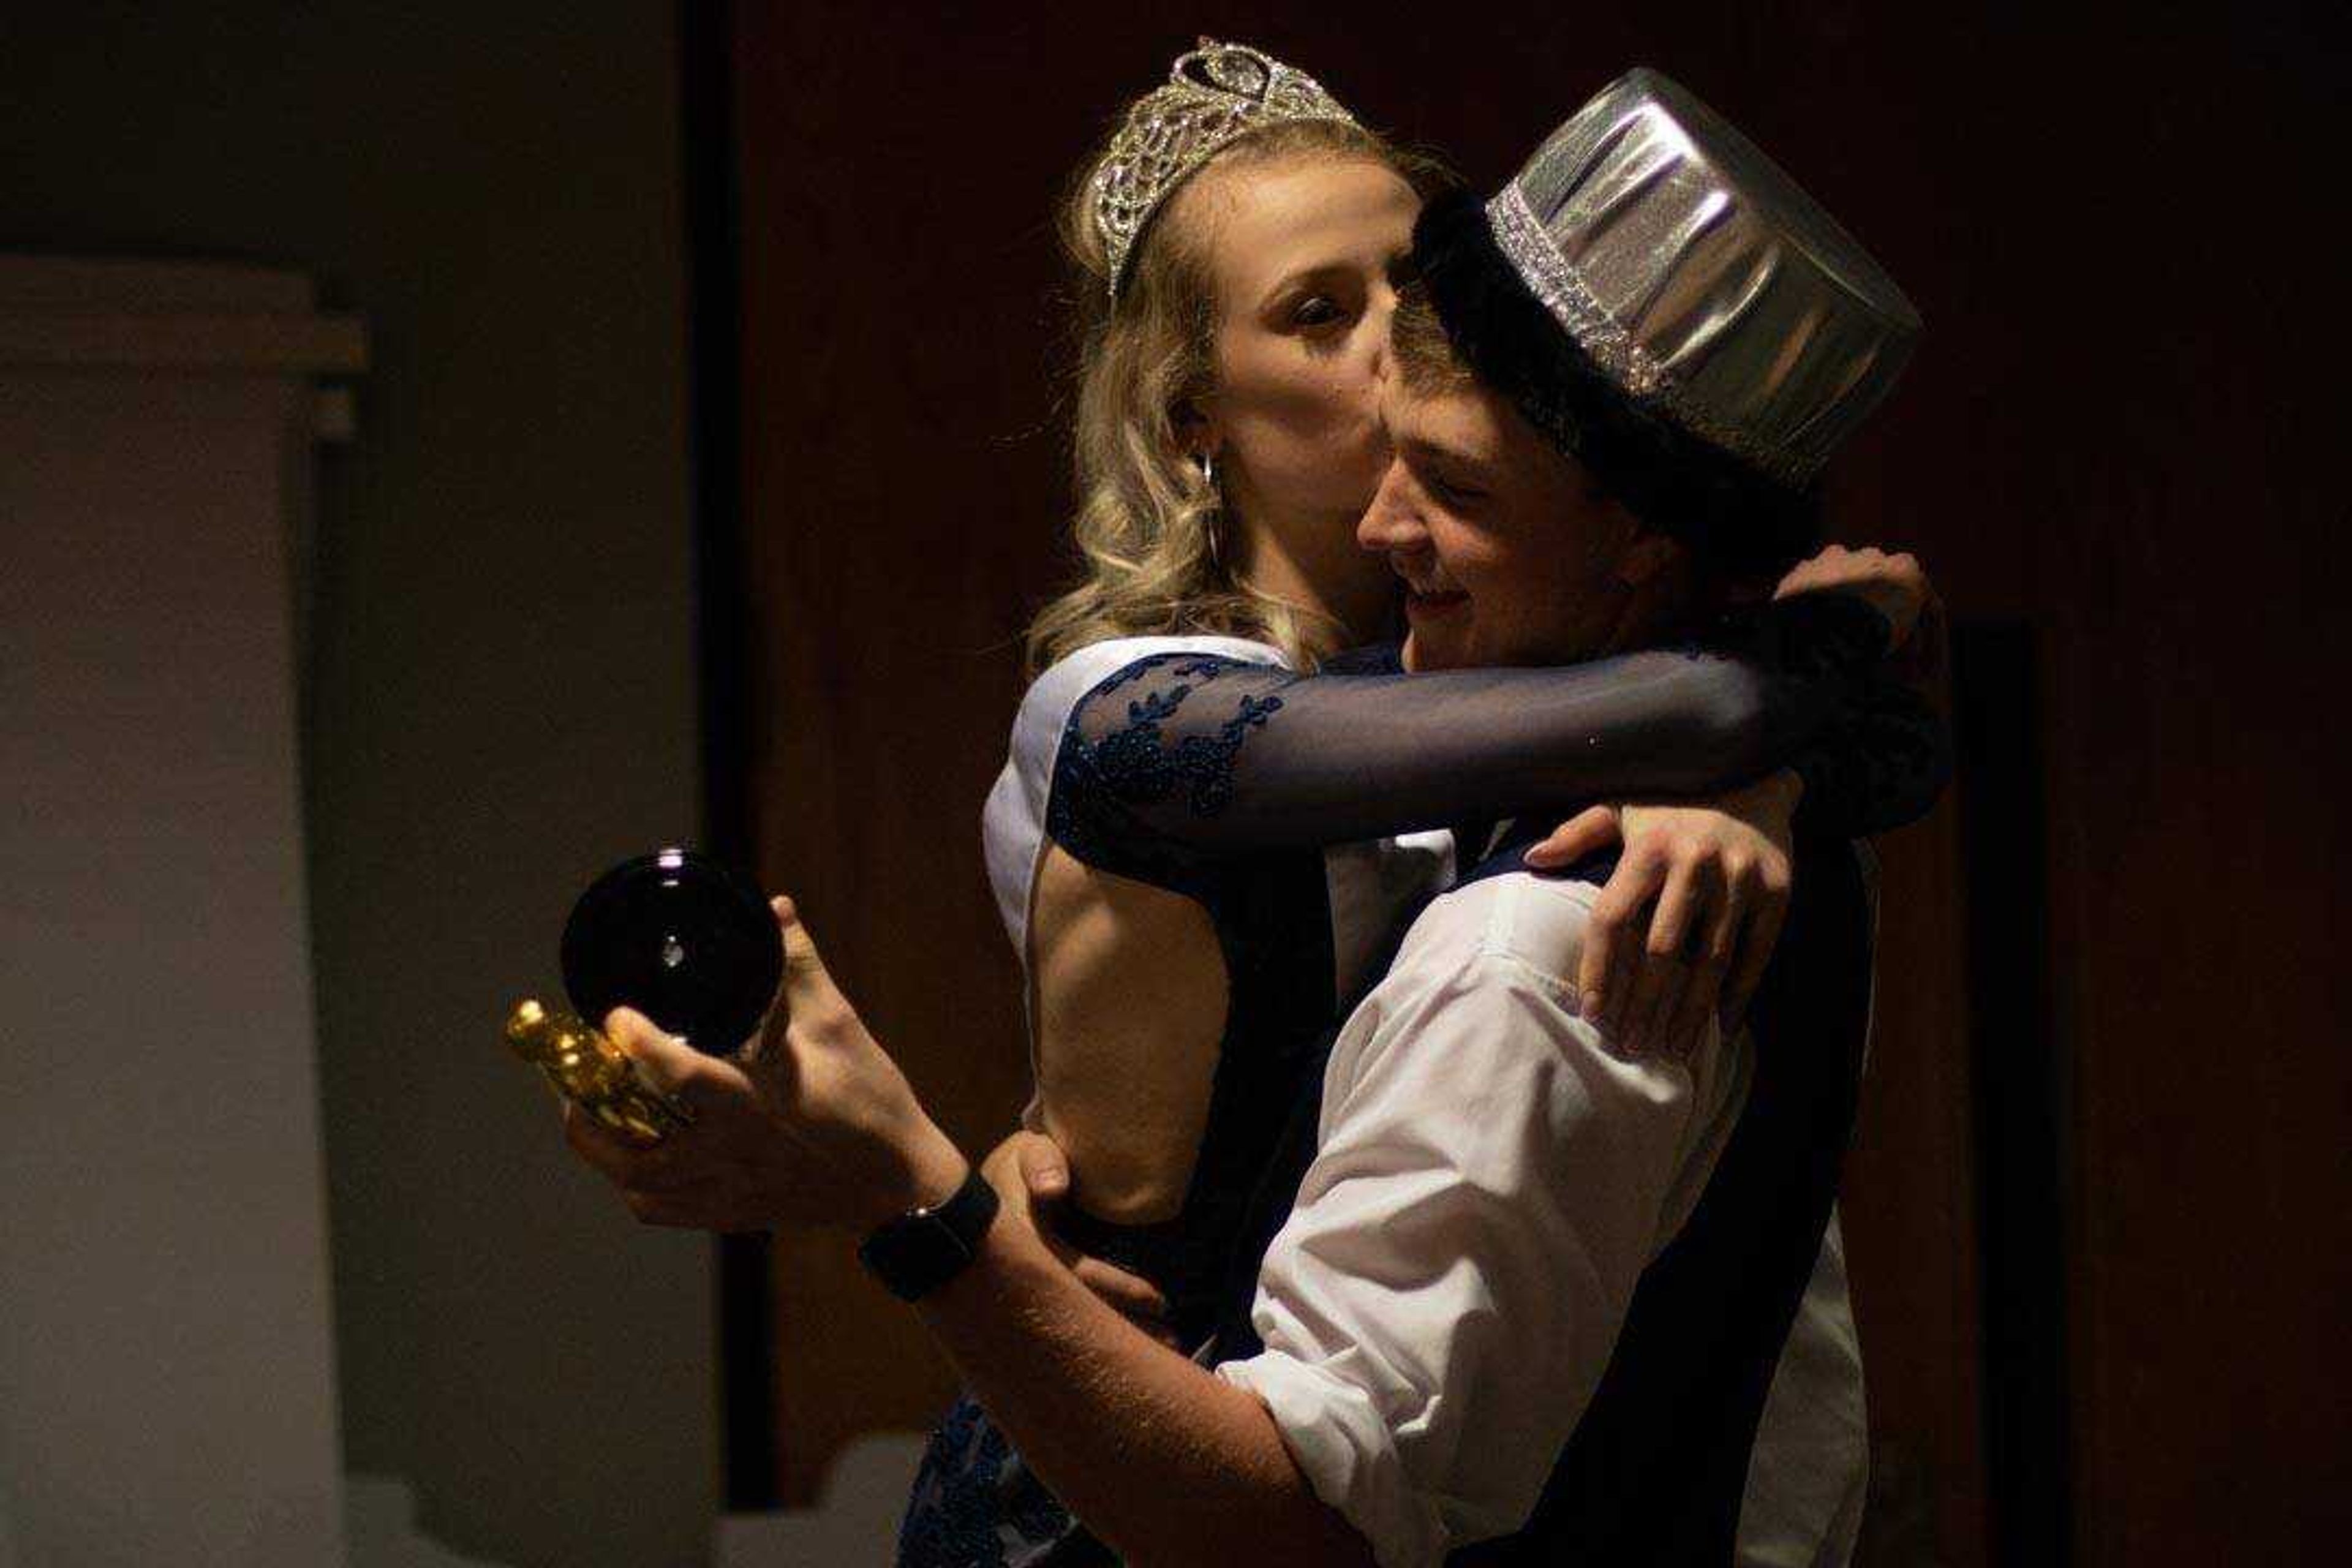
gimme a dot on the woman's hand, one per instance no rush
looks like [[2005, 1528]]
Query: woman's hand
[[812, 1124], [1896, 586], [1919, 649], [1032, 1178], [1712, 878]]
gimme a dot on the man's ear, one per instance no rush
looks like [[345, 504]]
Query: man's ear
[[1647, 556]]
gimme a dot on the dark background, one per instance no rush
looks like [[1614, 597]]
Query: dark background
[[2096, 1210]]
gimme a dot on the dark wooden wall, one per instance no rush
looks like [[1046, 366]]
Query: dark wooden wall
[[2119, 452]]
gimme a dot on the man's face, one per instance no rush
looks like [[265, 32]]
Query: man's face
[[1507, 548]]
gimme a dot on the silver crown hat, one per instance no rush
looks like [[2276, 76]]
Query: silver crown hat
[[1215, 94], [1702, 280]]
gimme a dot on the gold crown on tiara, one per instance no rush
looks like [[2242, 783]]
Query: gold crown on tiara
[[1214, 94]]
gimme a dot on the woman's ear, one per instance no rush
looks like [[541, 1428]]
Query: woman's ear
[[1197, 431]]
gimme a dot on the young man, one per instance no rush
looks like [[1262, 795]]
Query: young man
[[1531, 1290]]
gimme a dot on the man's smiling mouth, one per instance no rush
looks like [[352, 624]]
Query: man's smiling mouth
[[1431, 593]]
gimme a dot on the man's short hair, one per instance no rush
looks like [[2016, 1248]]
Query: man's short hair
[[1424, 356]]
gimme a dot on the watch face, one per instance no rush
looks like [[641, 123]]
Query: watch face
[[683, 939]]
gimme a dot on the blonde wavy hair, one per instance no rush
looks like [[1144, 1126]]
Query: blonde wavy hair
[[1146, 526]]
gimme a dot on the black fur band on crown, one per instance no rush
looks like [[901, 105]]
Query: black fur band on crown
[[1736, 518]]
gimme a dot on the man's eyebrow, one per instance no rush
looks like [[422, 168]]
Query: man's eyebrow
[[1426, 451]]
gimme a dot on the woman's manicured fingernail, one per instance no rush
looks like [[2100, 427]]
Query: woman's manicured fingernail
[[1592, 1000]]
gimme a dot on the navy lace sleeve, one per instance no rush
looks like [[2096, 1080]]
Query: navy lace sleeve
[[1878, 764], [1180, 759]]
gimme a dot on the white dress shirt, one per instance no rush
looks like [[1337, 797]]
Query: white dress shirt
[[1492, 1179]]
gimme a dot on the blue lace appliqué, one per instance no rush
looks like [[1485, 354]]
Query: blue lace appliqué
[[1135, 765], [1203, 668], [975, 1504], [1139, 765]]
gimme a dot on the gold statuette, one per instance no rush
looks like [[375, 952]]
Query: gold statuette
[[594, 1073]]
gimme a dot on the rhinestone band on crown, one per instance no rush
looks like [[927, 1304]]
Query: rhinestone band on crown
[[1621, 357], [1214, 94]]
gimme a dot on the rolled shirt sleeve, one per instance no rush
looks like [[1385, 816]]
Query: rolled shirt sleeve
[[1490, 1182]]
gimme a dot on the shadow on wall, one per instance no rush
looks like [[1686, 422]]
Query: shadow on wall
[[379, 1528]]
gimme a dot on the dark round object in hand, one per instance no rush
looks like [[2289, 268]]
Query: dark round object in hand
[[683, 939]]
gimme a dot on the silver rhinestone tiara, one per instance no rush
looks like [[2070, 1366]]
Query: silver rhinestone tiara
[[1214, 94]]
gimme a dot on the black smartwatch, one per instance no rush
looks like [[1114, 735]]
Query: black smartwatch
[[922, 1249]]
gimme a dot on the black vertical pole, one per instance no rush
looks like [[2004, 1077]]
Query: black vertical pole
[[714, 250], [2023, 1098]]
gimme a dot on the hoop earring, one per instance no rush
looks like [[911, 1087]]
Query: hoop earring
[[1207, 462]]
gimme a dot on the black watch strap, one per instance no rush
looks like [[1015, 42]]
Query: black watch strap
[[922, 1249]]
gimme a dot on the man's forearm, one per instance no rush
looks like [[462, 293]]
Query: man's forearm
[[1165, 1461]]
